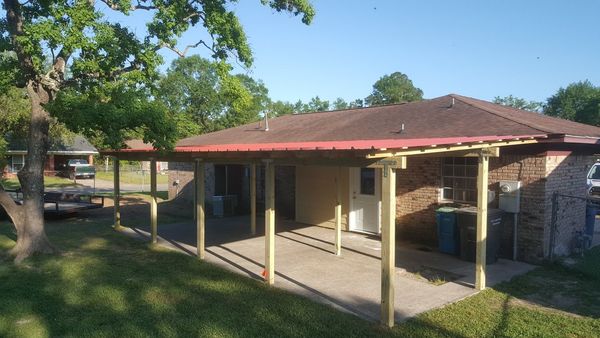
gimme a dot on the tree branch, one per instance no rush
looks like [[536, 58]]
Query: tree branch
[[12, 209], [187, 48], [115, 6], [14, 18]]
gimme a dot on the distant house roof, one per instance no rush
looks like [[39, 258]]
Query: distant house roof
[[137, 144], [76, 145], [448, 119]]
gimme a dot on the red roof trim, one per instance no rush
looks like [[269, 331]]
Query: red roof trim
[[339, 145]]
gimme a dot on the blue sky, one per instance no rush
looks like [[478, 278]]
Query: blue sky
[[475, 48], [478, 48]]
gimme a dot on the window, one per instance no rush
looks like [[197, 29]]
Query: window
[[594, 173], [16, 163], [459, 179], [367, 181]]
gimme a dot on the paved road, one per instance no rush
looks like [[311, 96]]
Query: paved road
[[89, 186]]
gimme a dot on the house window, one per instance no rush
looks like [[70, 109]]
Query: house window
[[16, 163], [459, 179], [367, 181]]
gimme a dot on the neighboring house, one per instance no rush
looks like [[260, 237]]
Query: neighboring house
[[76, 147], [315, 151]]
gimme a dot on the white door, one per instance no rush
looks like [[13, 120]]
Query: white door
[[365, 200]]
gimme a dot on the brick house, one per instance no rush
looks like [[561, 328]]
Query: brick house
[[60, 152], [557, 162], [383, 171]]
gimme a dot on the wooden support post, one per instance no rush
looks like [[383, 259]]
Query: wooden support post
[[153, 202], [388, 244], [200, 218], [482, 218], [269, 222], [117, 192], [338, 213], [253, 198]]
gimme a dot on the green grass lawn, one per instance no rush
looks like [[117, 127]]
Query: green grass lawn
[[49, 182], [132, 177], [105, 284]]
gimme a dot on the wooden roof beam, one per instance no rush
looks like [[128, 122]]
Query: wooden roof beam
[[450, 149]]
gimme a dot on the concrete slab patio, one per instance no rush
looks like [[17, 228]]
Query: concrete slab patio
[[305, 264]]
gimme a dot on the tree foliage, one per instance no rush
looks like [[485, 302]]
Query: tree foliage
[[96, 75], [519, 103], [204, 92], [579, 102], [393, 88]]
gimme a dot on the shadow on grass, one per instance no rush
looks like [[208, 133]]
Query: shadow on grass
[[574, 290], [105, 284]]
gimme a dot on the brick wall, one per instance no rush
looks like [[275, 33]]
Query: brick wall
[[540, 175], [531, 171], [184, 192], [417, 196], [566, 174]]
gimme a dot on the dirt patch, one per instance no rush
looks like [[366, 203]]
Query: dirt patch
[[536, 306], [432, 275]]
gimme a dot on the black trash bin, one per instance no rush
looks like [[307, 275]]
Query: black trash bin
[[590, 219], [466, 219]]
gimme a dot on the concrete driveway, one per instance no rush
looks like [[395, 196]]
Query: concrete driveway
[[305, 265]]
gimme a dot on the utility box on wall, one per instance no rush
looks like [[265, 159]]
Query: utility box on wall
[[510, 196]]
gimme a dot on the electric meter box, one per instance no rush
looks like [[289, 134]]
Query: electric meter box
[[510, 196]]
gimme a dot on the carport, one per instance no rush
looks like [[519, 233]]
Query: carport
[[381, 141], [389, 156]]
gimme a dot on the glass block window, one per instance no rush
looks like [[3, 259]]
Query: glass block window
[[459, 179]]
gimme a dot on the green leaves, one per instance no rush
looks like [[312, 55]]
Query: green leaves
[[579, 102], [394, 88], [14, 112], [519, 103], [102, 73], [205, 92], [113, 112], [296, 7]]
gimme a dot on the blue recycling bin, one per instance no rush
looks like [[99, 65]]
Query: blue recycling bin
[[447, 231], [590, 219]]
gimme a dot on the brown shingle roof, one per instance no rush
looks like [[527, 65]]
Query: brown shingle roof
[[443, 117]]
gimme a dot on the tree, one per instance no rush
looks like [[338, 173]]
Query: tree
[[280, 108], [316, 104], [393, 88], [14, 110], [204, 92], [579, 102], [519, 103], [340, 104], [259, 101], [67, 49]]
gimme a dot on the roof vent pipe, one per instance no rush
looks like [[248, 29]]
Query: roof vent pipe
[[266, 120], [401, 129], [452, 105]]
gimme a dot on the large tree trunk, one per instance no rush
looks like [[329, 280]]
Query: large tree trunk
[[29, 222]]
